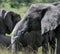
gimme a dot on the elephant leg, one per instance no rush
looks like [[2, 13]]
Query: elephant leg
[[52, 42], [58, 46], [45, 48], [52, 51], [45, 44]]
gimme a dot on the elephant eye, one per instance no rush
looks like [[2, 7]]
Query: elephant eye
[[26, 19], [39, 12]]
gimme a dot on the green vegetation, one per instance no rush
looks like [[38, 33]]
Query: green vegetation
[[5, 51], [19, 10], [20, 6]]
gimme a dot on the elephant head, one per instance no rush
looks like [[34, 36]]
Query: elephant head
[[31, 20], [10, 20]]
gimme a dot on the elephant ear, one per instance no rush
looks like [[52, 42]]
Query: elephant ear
[[11, 18], [50, 20], [2, 12], [8, 21], [15, 17]]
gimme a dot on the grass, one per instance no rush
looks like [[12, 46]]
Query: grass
[[5, 51]]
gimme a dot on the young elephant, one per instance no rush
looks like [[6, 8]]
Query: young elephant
[[32, 22], [7, 22]]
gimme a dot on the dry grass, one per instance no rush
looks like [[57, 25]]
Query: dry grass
[[5, 51]]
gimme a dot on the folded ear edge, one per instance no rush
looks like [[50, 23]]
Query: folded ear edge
[[5, 14]]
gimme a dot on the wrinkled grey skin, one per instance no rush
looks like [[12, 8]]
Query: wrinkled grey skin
[[32, 22], [7, 23]]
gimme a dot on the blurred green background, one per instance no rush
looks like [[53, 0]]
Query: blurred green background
[[20, 6]]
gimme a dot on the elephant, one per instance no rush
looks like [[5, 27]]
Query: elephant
[[32, 22], [8, 20]]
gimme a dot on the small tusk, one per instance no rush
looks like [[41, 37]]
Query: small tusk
[[15, 37]]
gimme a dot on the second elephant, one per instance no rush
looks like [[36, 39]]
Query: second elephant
[[8, 20]]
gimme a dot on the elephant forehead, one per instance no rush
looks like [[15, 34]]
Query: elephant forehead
[[41, 6], [35, 7]]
